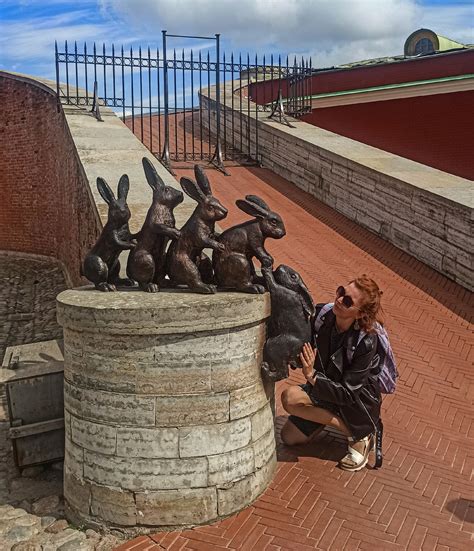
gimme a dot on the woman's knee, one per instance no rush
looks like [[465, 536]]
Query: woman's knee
[[293, 396]]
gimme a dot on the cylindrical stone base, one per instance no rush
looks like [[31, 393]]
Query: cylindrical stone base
[[168, 422]]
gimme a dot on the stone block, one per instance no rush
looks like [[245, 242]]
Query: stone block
[[363, 181], [192, 348], [113, 505], [214, 439], [429, 205], [342, 172], [264, 449], [151, 443], [245, 401], [93, 436], [262, 422], [460, 220], [230, 466], [243, 371], [238, 495], [176, 507], [423, 252], [98, 344], [145, 474], [387, 185], [161, 379], [460, 239], [110, 407], [368, 221], [193, 409], [72, 343], [74, 459], [77, 492]]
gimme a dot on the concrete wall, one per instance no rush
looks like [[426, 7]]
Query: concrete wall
[[421, 210]]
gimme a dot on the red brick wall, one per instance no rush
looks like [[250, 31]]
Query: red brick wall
[[433, 130], [46, 205]]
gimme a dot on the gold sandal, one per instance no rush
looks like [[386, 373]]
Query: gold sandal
[[356, 460]]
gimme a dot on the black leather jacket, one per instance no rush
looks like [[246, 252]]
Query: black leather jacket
[[353, 385]]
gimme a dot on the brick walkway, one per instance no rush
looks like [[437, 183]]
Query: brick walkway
[[422, 498]]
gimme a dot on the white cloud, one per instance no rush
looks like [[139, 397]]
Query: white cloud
[[332, 31]]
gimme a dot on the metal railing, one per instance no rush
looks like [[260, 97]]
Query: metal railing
[[157, 94]]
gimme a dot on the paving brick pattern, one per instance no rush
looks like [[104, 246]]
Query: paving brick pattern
[[422, 497]]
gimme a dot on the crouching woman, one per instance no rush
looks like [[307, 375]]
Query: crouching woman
[[342, 389]]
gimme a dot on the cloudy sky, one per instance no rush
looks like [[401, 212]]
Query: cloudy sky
[[331, 31]]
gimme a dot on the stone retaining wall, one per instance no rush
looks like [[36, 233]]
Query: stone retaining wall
[[168, 422], [421, 210], [29, 285]]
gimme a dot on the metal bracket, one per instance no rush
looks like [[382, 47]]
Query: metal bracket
[[279, 110], [95, 104], [217, 160]]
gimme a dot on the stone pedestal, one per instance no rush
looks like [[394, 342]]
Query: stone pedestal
[[168, 422]]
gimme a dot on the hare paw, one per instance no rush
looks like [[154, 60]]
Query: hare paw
[[255, 289], [105, 287], [268, 373], [205, 289], [150, 288]]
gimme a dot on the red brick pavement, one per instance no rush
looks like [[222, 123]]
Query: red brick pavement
[[422, 497]]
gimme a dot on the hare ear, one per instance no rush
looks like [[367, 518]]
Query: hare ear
[[154, 181], [202, 180], [105, 192], [258, 201], [306, 300], [192, 189], [123, 187], [251, 208]]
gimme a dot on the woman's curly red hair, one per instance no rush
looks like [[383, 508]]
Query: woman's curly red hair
[[371, 309]]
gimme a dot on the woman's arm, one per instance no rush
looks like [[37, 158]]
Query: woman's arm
[[354, 377]]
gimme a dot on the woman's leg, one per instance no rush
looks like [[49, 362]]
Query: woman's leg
[[291, 435], [296, 402]]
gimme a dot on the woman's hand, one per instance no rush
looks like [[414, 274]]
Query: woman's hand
[[307, 357]]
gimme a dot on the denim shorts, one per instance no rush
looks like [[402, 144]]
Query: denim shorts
[[304, 425]]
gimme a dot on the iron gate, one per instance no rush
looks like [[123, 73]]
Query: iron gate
[[158, 96]]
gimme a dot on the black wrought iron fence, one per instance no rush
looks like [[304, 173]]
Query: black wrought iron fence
[[160, 96]]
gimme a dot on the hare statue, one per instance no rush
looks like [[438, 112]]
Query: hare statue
[[186, 265], [289, 326], [146, 262], [233, 266], [101, 265]]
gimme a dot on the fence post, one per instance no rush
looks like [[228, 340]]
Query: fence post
[[217, 157], [165, 156]]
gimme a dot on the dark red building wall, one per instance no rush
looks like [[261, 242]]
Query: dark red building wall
[[434, 130], [425, 68]]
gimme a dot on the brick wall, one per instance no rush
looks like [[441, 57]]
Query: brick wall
[[403, 210], [47, 207]]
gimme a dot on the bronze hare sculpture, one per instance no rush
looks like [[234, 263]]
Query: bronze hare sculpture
[[184, 261], [289, 326], [233, 266], [101, 264], [146, 262]]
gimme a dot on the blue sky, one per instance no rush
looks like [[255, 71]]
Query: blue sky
[[330, 31]]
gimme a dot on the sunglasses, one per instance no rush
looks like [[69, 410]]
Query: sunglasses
[[346, 300]]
